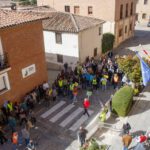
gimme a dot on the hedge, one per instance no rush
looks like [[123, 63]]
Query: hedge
[[107, 42], [122, 101]]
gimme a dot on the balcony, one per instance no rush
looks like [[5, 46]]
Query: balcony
[[3, 62]]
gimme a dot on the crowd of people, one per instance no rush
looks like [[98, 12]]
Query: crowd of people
[[19, 118], [91, 75]]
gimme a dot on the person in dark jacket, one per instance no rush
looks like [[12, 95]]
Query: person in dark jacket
[[82, 135], [2, 137]]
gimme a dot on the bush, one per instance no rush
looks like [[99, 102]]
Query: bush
[[131, 67], [107, 42], [122, 101], [93, 145]]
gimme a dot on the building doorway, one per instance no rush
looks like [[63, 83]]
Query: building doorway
[[95, 52]]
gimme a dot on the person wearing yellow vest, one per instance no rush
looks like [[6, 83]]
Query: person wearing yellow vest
[[10, 106], [60, 86], [60, 83], [115, 81], [94, 83], [71, 87], [104, 83]]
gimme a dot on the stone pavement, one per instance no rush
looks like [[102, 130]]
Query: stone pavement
[[138, 118]]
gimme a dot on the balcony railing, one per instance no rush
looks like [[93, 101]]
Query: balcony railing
[[3, 61]]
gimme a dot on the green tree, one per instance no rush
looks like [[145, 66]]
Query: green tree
[[131, 67], [107, 42]]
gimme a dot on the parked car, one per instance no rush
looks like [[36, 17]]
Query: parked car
[[148, 25]]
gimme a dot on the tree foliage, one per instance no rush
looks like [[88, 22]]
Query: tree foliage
[[107, 42], [131, 67]]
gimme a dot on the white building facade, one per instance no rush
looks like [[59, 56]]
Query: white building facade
[[143, 11], [70, 38], [66, 51]]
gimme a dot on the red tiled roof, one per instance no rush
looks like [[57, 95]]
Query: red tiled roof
[[12, 18], [37, 9], [67, 22]]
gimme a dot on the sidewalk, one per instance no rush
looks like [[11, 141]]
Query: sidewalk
[[138, 118]]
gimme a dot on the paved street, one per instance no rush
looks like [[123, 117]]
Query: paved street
[[58, 123], [142, 36]]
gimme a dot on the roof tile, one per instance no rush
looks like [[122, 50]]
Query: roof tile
[[11, 18]]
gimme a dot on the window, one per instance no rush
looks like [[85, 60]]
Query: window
[[131, 10], [121, 11], [67, 8], [130, 26], [126, 29], [90, 10], [76, 10], [100, 30], [4, 83], [120, 32], [145, 2], [126, 10], [137, 16], [1, 47], [95, 52], [58, 38], [59, 58], [144, 16]]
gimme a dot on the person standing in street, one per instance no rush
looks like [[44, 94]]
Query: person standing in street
[[75, 93], [126, 139], [25, 135], [86, 105], [3, 139], [15, 140], [82, 135]]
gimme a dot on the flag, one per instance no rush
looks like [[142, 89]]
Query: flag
[[145, 70], [146, 53]]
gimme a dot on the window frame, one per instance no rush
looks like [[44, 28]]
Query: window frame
[[57, 39], [126, 29], [5, 79], [145, 2], [127, 12], [131, 9], [121, 11], [75, 7], [90, 8], [95, 52], [120, 32], [130, 27], [100, 30], [67, 7], [60, 58]]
